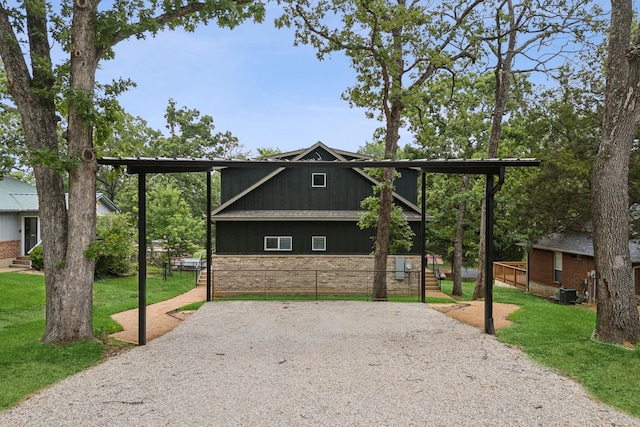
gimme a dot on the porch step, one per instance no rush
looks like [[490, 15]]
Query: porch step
[[21, 262]]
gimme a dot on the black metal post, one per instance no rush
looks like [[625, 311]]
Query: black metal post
[[142, 260], [423, 244], [490, 192], [209, 253]]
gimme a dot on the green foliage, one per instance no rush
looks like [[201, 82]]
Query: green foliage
[[12, 143], [37, 258], [114, 245], [268, 151], [170, 220], [400, 233]]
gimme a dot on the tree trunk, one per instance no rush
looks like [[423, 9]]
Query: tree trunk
[[459, 243], [386, 199], [382, 237], [66, 234], [70, 293], [618, 320], [503, 73]]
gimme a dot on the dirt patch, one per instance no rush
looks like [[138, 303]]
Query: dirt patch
[[472, 313]]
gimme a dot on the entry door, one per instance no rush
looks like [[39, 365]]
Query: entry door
[[30, 233]]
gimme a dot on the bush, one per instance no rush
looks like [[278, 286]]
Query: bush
[[114, 245], [37, 258]]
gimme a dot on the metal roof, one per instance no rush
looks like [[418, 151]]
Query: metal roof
[[459, 166], [17, 196]]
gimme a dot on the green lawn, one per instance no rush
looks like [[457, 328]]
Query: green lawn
[[559, 336], [26, 365]]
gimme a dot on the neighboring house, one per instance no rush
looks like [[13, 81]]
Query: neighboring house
[[305, 218], [19, 218], [567, 260]]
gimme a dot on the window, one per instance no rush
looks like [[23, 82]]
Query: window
[[318, 180], [278, 243], [557, 267], [319, 243]]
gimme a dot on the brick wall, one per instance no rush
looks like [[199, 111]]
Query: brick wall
[[576, 270], [541, 267], [307, 274], [9, 249]]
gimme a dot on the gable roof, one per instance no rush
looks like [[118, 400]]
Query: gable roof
[[17, 196], [413, 214], [578, 243]]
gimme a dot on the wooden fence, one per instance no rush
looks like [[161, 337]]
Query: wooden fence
[[511, 273]]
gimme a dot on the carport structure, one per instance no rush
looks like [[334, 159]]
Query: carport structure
[[491, 168]]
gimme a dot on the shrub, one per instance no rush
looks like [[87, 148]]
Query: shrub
[[37, 258], [114, 245]]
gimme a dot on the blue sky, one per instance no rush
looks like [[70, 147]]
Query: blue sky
[[251, 80]]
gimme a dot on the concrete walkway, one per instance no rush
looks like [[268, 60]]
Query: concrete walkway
[[161, 317]]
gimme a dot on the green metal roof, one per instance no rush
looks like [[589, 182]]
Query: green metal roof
[[17, 196]]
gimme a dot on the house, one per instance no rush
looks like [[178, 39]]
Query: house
[[295, 219], [567, 260], [19, 218]]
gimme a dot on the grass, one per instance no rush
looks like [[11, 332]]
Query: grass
[[559, 336], [26, 365]]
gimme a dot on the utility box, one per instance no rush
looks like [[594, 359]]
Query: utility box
[[399, 268], [568, 295]]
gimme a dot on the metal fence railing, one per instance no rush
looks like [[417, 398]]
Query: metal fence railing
[[317, 283]]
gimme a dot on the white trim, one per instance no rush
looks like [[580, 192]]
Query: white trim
[[557, 265], [322, 239], [313, 180], [280, 240]]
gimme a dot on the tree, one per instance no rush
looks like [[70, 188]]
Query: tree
[[44, 94], [400, 233], [395, 47], [12, 145], [170, 220], [617, 319], [526, 29], [115, 244]]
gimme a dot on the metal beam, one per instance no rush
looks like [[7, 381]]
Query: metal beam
[[423, 244], [142, 260], [209, 251]]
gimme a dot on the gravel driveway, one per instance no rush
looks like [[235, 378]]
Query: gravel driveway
[[318, 364]]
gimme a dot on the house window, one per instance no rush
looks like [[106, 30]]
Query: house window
[[318, 180], [557, 267], [319, 243], [278, 243]]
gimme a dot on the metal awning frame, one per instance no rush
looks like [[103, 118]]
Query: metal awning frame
[[488, 167]]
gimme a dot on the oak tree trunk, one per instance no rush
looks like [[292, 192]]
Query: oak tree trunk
[[458, 245], [386, 199], [617, 310], [66, 233], [503, 74]]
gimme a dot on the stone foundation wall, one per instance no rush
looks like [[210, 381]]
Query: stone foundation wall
[[308, 275]]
